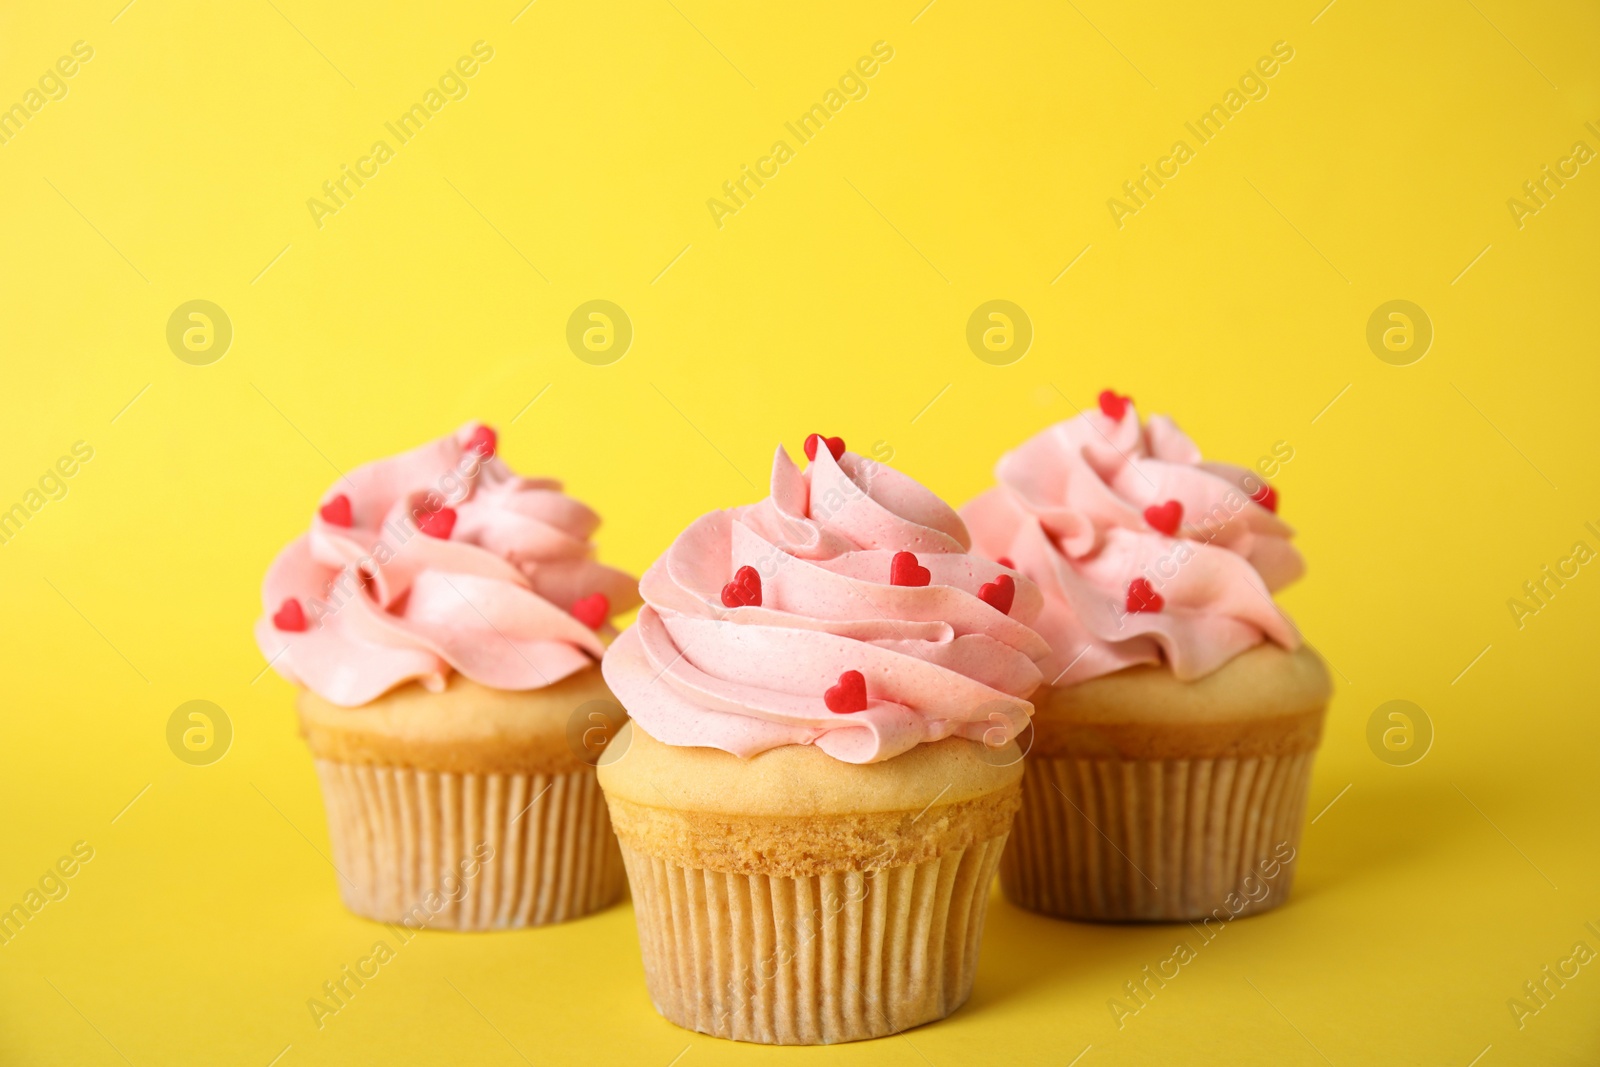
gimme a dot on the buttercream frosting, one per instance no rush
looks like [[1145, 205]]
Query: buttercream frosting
[[740, 660], [366, 600], [1085, 509]]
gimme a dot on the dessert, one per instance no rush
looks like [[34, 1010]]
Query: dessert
[[1174, 735], [820, 770], [444, 620]]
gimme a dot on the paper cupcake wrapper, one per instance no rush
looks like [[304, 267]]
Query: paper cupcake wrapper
[[469, 851], [1111, 839], [811, 960]]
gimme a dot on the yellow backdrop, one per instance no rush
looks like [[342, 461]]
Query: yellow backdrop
[[798, 215]]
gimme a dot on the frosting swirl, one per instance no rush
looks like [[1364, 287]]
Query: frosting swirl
[[438, 560], [1086, 509], [747, 670]]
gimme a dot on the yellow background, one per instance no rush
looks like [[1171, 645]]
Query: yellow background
[[978, 167]]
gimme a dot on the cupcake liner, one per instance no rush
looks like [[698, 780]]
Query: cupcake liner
[[811, 960], [1114, 839], [469, 851]]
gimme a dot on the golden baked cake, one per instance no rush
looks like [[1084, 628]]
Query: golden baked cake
[[444, 621], [1173, 738], [820, 771]]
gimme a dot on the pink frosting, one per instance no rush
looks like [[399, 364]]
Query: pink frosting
[[384, 603], [1069, 512], [937, 660]]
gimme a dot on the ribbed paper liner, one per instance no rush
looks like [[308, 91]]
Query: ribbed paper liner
[[402, 835], [812, 960], [1154, 839]]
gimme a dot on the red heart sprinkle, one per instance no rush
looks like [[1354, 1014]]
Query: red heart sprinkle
[[336, 512], [904, 570], [437, 523], [849, 695], [1267, 497], [291, 617], [1165, 517], [999, 593], [835, 445], [1113, 405], [1005, 561], [744, 591], [592, 610], [1141, 597], [483, 441]]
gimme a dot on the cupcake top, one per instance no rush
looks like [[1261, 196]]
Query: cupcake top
[[843, 611], [1144, 552], [439, 560]]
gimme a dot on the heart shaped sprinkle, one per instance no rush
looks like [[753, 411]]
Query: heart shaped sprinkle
[[483, 441], [904, 570], [1267, 497], [999, 593], [835, 445], [1165, 517], [745, 589], [290, 617], [1113, 405], [336, 512], [1142, 597], [1005, 561], [592, 610], [849, 695], [437, 523]]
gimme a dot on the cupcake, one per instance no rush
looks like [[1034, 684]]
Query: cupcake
[[820, 769], [1173, 739], [444, 620]]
